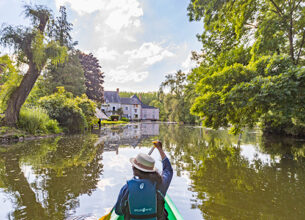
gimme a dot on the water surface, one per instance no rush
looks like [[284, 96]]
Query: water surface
[[215, 176]]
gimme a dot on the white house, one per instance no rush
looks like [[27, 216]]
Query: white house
[[132, 107]]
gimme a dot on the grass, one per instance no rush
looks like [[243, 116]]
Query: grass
[[113, 122]]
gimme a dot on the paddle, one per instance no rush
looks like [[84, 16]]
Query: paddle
[[108, 216]]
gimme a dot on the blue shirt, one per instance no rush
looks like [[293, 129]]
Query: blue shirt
[[167, 175]]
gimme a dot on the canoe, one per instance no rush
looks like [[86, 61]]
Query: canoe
[[173, 213]]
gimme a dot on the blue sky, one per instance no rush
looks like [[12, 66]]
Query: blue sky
[[137, 42]]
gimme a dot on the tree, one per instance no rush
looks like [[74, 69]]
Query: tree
[[94, 76], [61, 29], [267, 26], [70, 75], [177, 102], [33, 48], [250, 50]]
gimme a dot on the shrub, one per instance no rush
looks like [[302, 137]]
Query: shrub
[[124, 119], [88, 107], [68, 110], [36, 120], [114, 117]]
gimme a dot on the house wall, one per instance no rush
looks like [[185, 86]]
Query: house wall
[[128, 111], [132, 111], [136, 110], [150, 114], [108, 107]]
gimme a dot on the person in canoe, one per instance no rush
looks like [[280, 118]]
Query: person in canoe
[[143, 196]]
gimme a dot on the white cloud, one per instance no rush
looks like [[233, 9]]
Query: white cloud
[[81, 6], [123, 74], [106, 182], [104, 54], [188, 64], [124, 14], [119, 13], [149, 52]]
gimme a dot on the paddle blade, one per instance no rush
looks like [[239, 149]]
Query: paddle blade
[[106, 217]]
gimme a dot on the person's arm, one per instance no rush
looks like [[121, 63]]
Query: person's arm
[[167, 172], [119, 205]]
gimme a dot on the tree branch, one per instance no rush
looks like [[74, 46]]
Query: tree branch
[[301, 46], [277, 8]]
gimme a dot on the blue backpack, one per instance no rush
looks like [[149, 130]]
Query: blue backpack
[[142, 199]]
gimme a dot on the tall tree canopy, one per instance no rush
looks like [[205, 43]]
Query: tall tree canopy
[[61, 29], [94, 76], [34, 48], [267, 26], [69, 74], [251, 64], [175, 104]]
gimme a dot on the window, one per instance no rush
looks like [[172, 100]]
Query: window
[[136, 116], [113, 108], [126, 108], [135, 110]]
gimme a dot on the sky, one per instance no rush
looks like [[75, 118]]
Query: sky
[[137, 42]]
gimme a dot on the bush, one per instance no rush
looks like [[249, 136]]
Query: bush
[[114, 117], [88, 107], [37, 121], [74, 114], [124, 119]]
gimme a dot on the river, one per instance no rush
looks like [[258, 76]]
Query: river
[[215, 175]]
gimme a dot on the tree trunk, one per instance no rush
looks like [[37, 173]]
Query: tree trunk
[[19, 96]]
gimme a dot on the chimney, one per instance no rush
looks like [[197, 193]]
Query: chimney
[[117, 90]]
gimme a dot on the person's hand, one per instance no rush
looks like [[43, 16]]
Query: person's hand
[[158, 144]]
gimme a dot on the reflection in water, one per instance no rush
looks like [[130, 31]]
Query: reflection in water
[[260, 179], [229, 185], [63, 169]]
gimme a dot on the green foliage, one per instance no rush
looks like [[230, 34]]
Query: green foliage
[[124, 119], [88, 108], [114, 117], [94, 77], [68, 110], [7, 68], [113, 122], [175, 105], [269, 91], [250, 67], [37, 121], [70, 75], [33, 48], [11, 79], [146, 97]]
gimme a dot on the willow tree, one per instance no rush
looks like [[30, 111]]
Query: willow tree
[[33, 48]]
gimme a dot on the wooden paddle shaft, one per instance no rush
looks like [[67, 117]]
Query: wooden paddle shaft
[[151, 150]]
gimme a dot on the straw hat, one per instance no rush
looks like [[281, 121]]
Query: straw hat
[[144, 162]]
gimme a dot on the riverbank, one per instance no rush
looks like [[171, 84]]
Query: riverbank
[[12, 135]]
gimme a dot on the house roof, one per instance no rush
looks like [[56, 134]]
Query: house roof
[[142, 104], [100, 114], [130, 101], [111, 97]]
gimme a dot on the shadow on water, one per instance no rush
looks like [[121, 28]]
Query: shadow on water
[[44, 179]]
